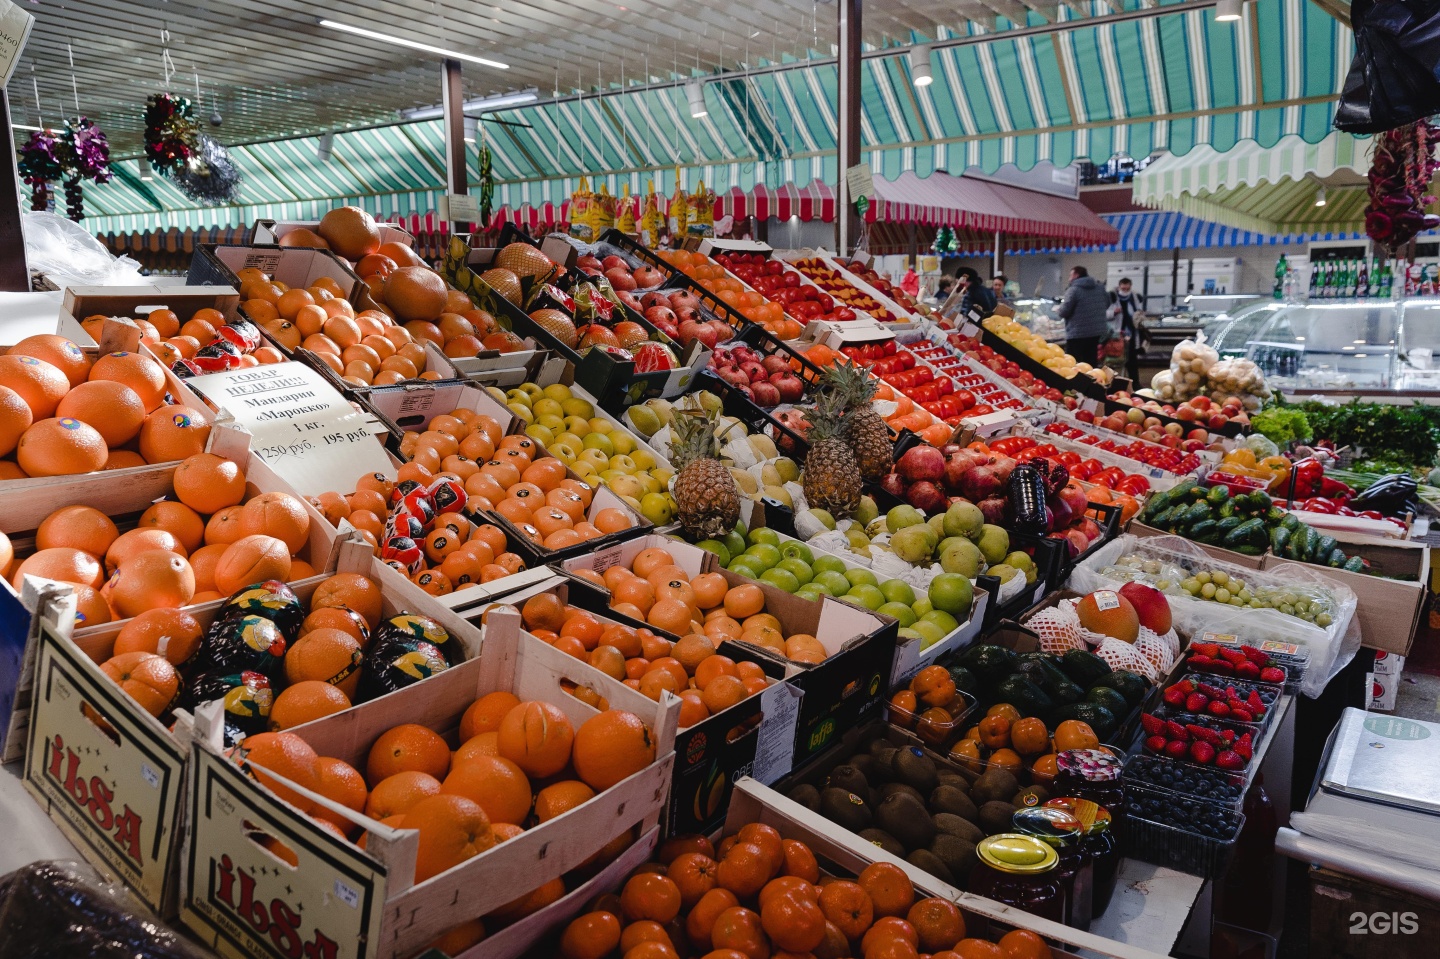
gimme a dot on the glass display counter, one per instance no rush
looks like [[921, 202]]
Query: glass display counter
[[1039, 316]]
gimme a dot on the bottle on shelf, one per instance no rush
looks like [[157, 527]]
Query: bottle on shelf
[[1329, 279], [1362, 280], [1280, 269], [1348, 289], [1386, 280], [1317, 280]]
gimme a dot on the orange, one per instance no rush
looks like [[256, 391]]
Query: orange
[[938, 923], [305, 701], [135, 541], [408, 746], [251, 559], [35, 381], [701, 920], [340, 783], [112, 409], [148, 679], [744, 601], [650, 896], [223, 528], [794, 923], [204, 560], [395, 794], [692, 650], [497, 785], [848, 906], [171, 633], [537, 737], [670, 615], [208, 483], [978, 949], [142, 374], [481, 744], [709, 590], [694, 874], [1023, 944], [123, 459], [722, 692], [15, 419], [91, 608], [154, 579], [178, 520], [800, 861], [452, 829], [279, 515], [330, 656], [352, 591], [561, 797], [591, 936], [740, 929], [1029, 736], [889, 888], [459, 938], [610, 747], [284, 754], [61, 447], [484, 715], [78, 527], [59, 352], [711, 667], [651, 559]]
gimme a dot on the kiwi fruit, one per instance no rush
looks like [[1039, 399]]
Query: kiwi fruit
[[951, 800], [912, 766], [957, 854], [879, 745], [959, 827], [883, 759], [867, 766], [996, 785], [996, 817], [848, 778], [807, 796], [904, 817], [951, 777], [1031, 796], [884, 840], [845, 809], [931, 863], [890, 789]]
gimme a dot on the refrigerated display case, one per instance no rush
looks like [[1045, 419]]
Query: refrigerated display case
[[1232, 333], [1038, 315], [1347, 345]]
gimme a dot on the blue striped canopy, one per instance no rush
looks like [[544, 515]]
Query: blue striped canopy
[[1169, 231]]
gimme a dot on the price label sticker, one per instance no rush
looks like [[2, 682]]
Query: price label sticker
[[1106, 599]]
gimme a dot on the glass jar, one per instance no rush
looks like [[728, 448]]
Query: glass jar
[[1098, 843], [1091, 774], [1062, 832], [1019, 871]]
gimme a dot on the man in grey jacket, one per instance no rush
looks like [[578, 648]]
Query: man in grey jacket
[[1084, 310]]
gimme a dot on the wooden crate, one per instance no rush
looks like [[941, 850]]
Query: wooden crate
[[345, 903]]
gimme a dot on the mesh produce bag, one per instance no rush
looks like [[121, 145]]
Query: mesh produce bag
[[1059, 629], [1189, 362]]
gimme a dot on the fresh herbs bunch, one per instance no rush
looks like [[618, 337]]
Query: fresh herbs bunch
[[1397, 434]]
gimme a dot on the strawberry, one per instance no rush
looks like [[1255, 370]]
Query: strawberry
[[1212, 691], [1254, 655], [1202, 662], [1241, 715], [1174, 696], [1177, 748], [1232, 656], [1228, 735], [1202, 752], [1205, 649], [1175, 731], [1256, 704], [1153, 725], [1195, 702], [1204, 733], [1247, 670], [1156, 744], [1218, 708], [1230, 759], [1244, 750], [1272, 674]]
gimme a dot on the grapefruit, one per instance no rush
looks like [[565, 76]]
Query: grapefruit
[[350, 232]]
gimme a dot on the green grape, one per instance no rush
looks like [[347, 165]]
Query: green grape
[[1222, 595], [1208, 590]]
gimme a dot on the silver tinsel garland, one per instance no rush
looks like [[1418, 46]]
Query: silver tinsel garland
[[210, 176]]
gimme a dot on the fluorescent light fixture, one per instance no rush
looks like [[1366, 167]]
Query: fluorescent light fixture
[[1229, 10], [477, 106], [1320, 197], [695, 91], [470, 124], [920, 65], [413, 45], [21, 126], [146, 171], [326, 144]]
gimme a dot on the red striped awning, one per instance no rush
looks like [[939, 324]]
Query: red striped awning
[[970, 203]]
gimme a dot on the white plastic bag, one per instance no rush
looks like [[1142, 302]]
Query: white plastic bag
[[70, 256], [1151, 655]]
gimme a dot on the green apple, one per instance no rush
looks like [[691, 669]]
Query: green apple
[[768, 536], [767, 554], [867, 595], [828, 564], [798, 568], [951, 593], [798, 550], [835, 583], [782, 578], [716, 547], [944, 620]]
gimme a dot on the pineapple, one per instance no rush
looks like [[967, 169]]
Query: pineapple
[[832, 477], [705, 493], [865, 431]]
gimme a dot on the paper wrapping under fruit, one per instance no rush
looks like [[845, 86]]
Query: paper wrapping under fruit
[[1151, 655], [1330, 647]]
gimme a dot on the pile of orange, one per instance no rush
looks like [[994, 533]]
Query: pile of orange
[[171, 340], [691, 669], [751, 304], [908, 416], [759, 895], [928, 704], [202, 544], [519, 764], [1005, 740], [320, 670], [62, 414], [1128, 504]]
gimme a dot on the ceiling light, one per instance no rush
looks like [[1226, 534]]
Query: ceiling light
[[413, 45], [146, 171], [470, 124], [326, 144], [476, 107], [21, 126], [1228, 10], [920, 65], [695, 91], [1320, 197]]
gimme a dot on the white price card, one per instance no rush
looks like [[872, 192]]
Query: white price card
[[15, 26], [303, 427], [775, 745]]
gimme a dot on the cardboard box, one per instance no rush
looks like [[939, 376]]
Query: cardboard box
[[296, 267], [348, 903], [138, 302], [1388, 664], [1352, 918], [269, 232]]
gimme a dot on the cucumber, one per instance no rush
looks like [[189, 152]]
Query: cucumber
[[1205, 531], [1194, 514], [1243, 534], [1249, 550], [1291, 522], [1157, 504], [1228, 523], [1227, 509], [1322, 550], [1274, 516], [1336, 558], [1279, 539], [1354, 565]]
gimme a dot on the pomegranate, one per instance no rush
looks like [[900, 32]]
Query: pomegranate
[[620, 278], [613, 262], [921, 463], [993, 509], [655, 315], [775, 364], [926, 496], [893, 484], [680, 299], [647, 277], [984, 480], [766, 394], [791, 387], [654, 298]]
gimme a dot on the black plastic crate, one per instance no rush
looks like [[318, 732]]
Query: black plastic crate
[[736, 404], [1184, 833]]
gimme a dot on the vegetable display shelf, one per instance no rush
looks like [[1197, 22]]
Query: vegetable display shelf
[[1230, 430], [807, 261], [1080, 383]]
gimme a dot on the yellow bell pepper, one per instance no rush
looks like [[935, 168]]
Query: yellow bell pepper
[[1242, 456]]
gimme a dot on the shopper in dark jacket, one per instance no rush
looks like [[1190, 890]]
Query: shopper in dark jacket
[[1084, 310]]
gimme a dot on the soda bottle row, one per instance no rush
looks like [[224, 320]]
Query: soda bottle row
[[1359, 279]]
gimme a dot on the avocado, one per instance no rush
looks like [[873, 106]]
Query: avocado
[[884, 840], [1031, 796], [807, 796], [913, 767], [905, 818], [957, 854], [996, 817], [1017, 690], [1111, 699], [989, 663], [1099, 718], [931, 863], [849, 778], [964, 679], [1084, 667], [959, 827], [890, 789], [845, 809], [1132, 686], [952, 800], [994, 785]]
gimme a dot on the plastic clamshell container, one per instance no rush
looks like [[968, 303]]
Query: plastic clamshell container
[[1183, 778], [939, 735], [1143, 836], [1269, 695], [1230, 677]]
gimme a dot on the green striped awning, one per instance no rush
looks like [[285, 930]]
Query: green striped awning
[[1264, 190], [1168, 82]]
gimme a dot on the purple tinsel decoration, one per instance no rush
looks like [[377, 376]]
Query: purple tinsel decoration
[[79, 153]]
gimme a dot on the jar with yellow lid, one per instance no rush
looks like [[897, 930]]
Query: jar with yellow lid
[[1062, 832], [1099, 843], [1019, 871]]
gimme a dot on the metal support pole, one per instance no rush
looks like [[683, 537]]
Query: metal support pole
[[14, 272], [997, 263], [453, 100], [847, 223]]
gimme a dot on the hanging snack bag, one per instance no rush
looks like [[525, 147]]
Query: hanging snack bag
[[580, 211], [652, 223], [602, 212], [625, 211], [702, 212], [679, 210]]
